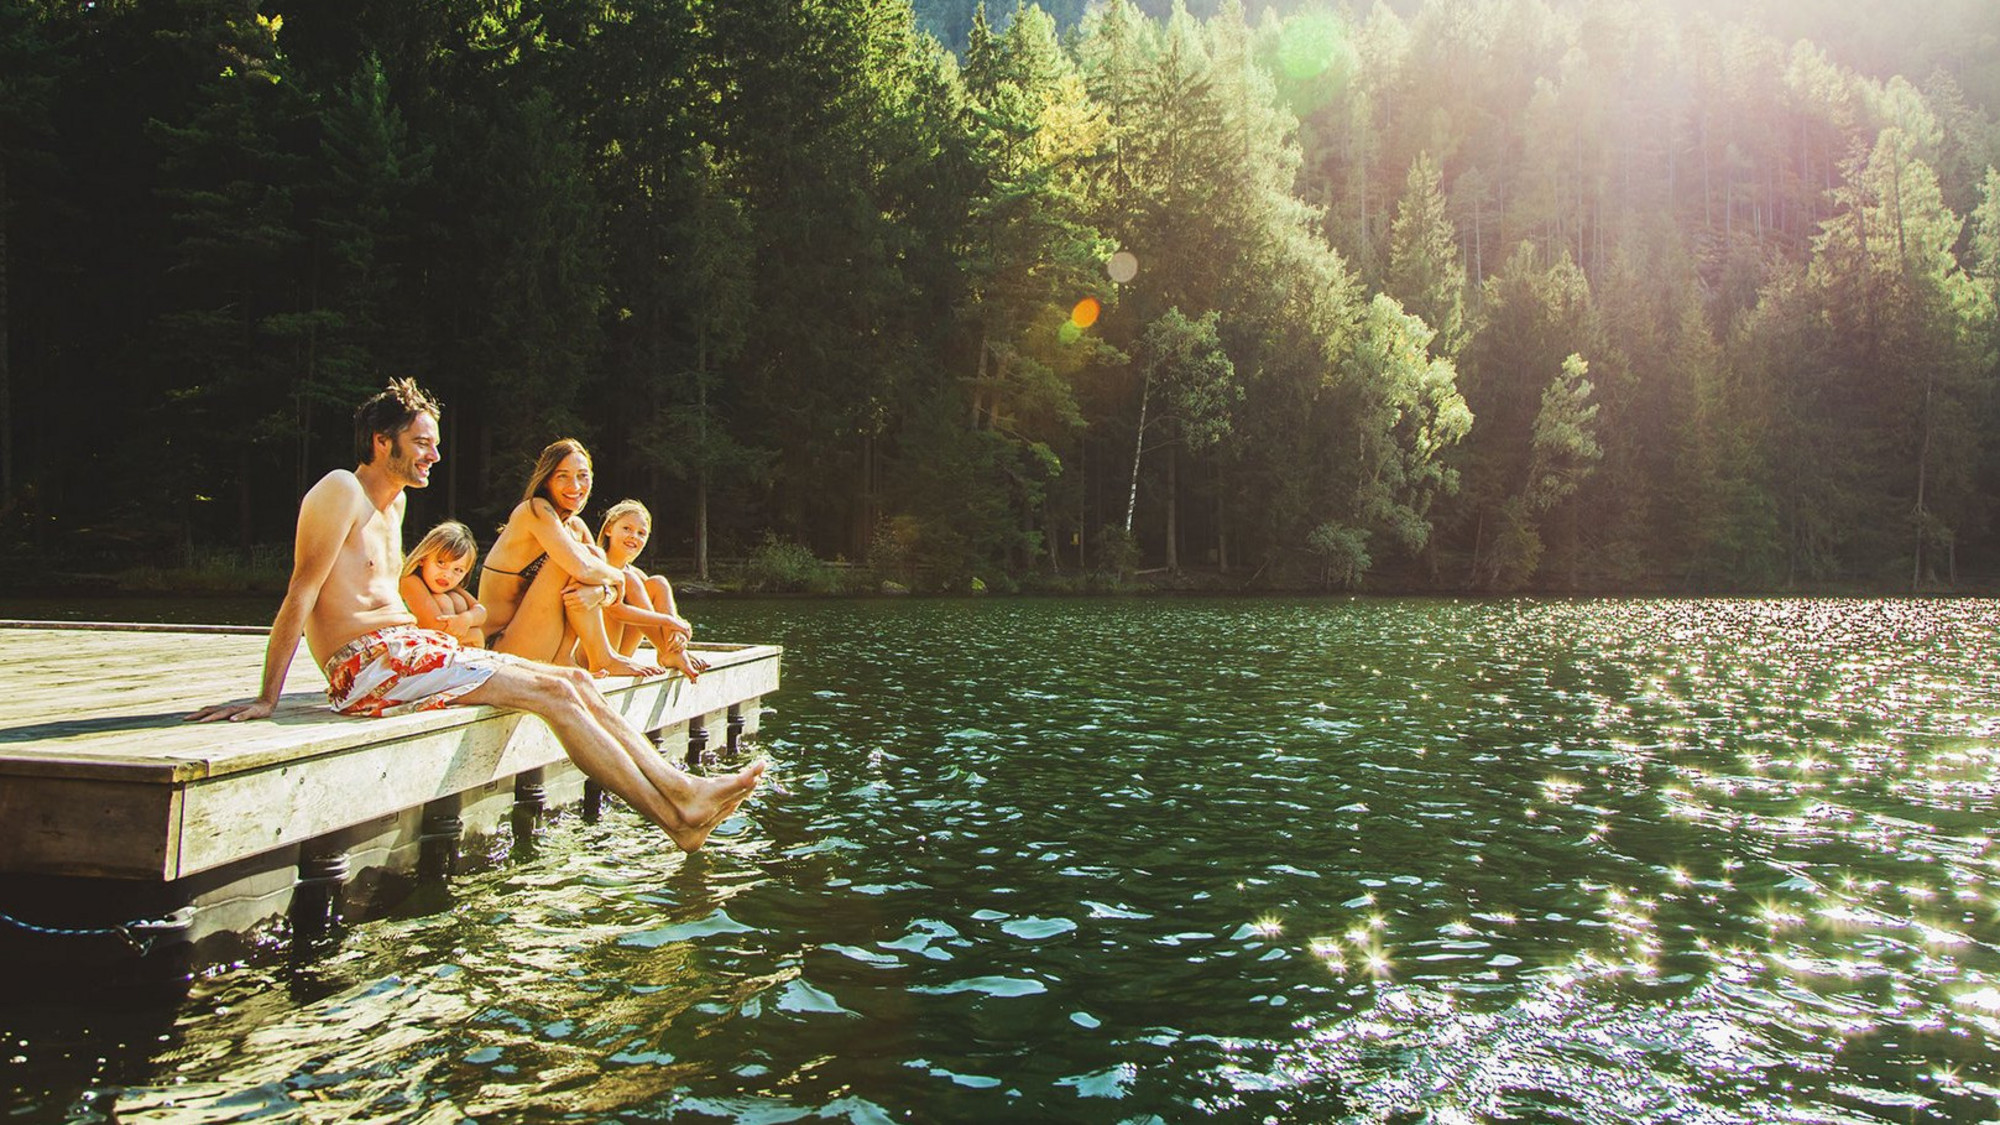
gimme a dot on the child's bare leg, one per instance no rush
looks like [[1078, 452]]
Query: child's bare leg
[[671, 644], [595, 645], [625, 638], [640, 596], [662, 593]]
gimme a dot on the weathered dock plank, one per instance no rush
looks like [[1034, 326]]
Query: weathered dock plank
[[101, 780]]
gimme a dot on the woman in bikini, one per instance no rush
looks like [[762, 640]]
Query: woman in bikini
[[545, 584]]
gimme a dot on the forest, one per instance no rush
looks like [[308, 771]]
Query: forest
[[1464, 296]]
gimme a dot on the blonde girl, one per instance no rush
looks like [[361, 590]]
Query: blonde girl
[[646, 606], [433, 584]]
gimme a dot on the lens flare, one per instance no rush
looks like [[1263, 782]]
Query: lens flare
[[1313, 45], [1123, 266], [1085, 313]]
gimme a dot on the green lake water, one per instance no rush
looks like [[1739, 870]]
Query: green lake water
[[1176, 860]]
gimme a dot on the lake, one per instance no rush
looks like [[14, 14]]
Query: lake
[[1157, 860]]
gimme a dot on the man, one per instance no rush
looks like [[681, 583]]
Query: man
[[343, 598]]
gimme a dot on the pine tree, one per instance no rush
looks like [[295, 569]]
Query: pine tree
[[1424, 270], [231, 339], [28, 67]]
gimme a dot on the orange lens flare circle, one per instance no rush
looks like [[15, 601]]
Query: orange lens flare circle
[[1085, 313]]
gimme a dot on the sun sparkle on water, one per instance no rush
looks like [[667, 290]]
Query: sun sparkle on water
[[1735, 857]]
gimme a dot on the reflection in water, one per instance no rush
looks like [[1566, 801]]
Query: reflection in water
[[1145, 861]]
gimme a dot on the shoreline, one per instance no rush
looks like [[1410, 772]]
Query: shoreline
[[144, 585]]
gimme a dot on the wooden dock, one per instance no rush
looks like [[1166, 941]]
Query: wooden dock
[[112, 808]]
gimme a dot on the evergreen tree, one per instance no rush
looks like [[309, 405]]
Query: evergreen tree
[[28, 66], [1533, 317], [355, 326], [1915, 328], [690, 435], [1424, 270], [232, 341], [1184, 364]]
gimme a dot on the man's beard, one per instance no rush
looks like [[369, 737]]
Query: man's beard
[[403, 466]]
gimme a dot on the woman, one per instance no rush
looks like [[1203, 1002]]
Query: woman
[[544, 584]]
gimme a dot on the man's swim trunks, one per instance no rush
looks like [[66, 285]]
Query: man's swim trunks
[[402, 669]]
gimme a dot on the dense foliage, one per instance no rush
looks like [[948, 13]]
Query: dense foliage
[[1460, 294]]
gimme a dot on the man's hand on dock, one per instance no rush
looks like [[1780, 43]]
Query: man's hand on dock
[[234, 712]]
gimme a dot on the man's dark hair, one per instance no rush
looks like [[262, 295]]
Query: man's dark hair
[[389, 412]]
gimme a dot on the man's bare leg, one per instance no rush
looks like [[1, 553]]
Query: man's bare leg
[[711, 809], [686, 806]]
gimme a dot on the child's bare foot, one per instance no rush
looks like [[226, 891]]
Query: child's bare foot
[[690, 665], [625, 666]]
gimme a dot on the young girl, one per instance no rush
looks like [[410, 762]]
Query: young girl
[[646, 608], [433, 584]]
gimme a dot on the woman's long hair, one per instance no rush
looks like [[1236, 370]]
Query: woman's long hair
[[551, 459]]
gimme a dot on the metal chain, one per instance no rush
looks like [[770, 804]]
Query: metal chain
[[135, 933]]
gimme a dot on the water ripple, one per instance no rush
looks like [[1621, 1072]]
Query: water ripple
[[1358, 861]]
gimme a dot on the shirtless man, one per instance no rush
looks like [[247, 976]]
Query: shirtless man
[[343, 598]]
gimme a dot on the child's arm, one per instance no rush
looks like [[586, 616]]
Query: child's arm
[[423, 603], [643, 615], [467, 619], [467, 609]]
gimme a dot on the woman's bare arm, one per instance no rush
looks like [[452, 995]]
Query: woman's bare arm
[[564, 542]]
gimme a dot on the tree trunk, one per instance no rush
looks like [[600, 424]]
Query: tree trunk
[[1478, 544], [1923, 463], [244, 526], [1173, 508], [1083, 494], [1138, 448], [701, 523], [1221, 523], [6, 375], [701, 453], [979, 373]]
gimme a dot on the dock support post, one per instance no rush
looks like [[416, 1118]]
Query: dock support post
[[531, 788], [316, 898], [697, 739], [593, 801], [530, 796], [735, 729], [437, 846]]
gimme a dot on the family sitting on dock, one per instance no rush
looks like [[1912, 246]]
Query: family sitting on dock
[[394, 637], [591, 608]]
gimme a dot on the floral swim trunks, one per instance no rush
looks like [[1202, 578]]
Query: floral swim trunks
[[402, 669]]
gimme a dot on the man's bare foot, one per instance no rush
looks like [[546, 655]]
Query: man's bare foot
[[713, 800]]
